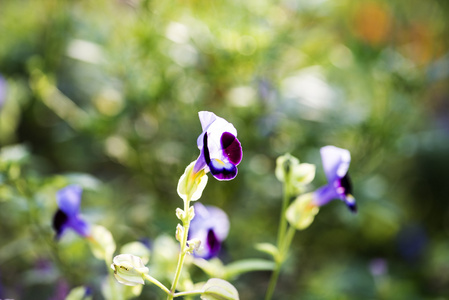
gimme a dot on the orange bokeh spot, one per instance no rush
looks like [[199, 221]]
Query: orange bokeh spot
[[372, 22]]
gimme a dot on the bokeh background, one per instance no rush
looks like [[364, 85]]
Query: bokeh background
[[106, 93]]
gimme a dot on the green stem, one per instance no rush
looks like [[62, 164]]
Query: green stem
[[182, 253], [273, 280], [188, 293], [281, 243], [283, 221], [157, 282], [288, 240]]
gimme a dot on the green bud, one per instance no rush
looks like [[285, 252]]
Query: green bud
[[179, 232], [301, 213], [294, 174], [129, 269], [193, 245], [191, 213], [180, 214], [284, 166]]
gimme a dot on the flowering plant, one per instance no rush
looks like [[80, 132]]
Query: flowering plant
[[203, 228]]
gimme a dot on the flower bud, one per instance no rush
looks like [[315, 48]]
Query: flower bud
[[301, 212], [180, 214], [294, 174], [129, 269], [179, 232], [284, 166], [191, 213], [193, 245]]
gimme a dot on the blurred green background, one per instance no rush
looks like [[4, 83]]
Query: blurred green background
[[106, 94]]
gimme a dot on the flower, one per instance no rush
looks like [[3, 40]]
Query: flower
[[336, 164], [129, 269], [68, 216], [211, 226], [221, 151]]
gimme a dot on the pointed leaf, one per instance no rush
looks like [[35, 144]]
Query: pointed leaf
[[268, 248], [219, 289], [248, 265]]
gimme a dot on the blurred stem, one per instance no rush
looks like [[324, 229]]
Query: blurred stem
[[284, 239], [157, 282], [283, 221], [183, 242]]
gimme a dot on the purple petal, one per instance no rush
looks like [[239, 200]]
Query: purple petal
[[325, 194], [69, 199], [67, 216], [206, 119], [200, 162], [210, 217], [339, 189], [232, 148], [211, 226], [335, 162], [222, 170], [79, 226]]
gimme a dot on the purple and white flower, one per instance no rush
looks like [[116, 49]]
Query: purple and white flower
[[211, 226], [336, 164], [221, 151], [68, 214]]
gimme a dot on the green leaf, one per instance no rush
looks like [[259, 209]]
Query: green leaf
[[248, 265], [268, 248], [219, 289], [213, 267], [78, 293], [14, 154]]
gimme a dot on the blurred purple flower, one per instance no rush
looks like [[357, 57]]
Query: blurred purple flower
[[62, 289], [221, 151], [412, 241], [68, 214], [378, 266], [211, 226], [336, 164]]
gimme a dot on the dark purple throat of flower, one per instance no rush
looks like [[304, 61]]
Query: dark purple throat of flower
[[345, 184], [59, 222], [213, 245], [226, 168]]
